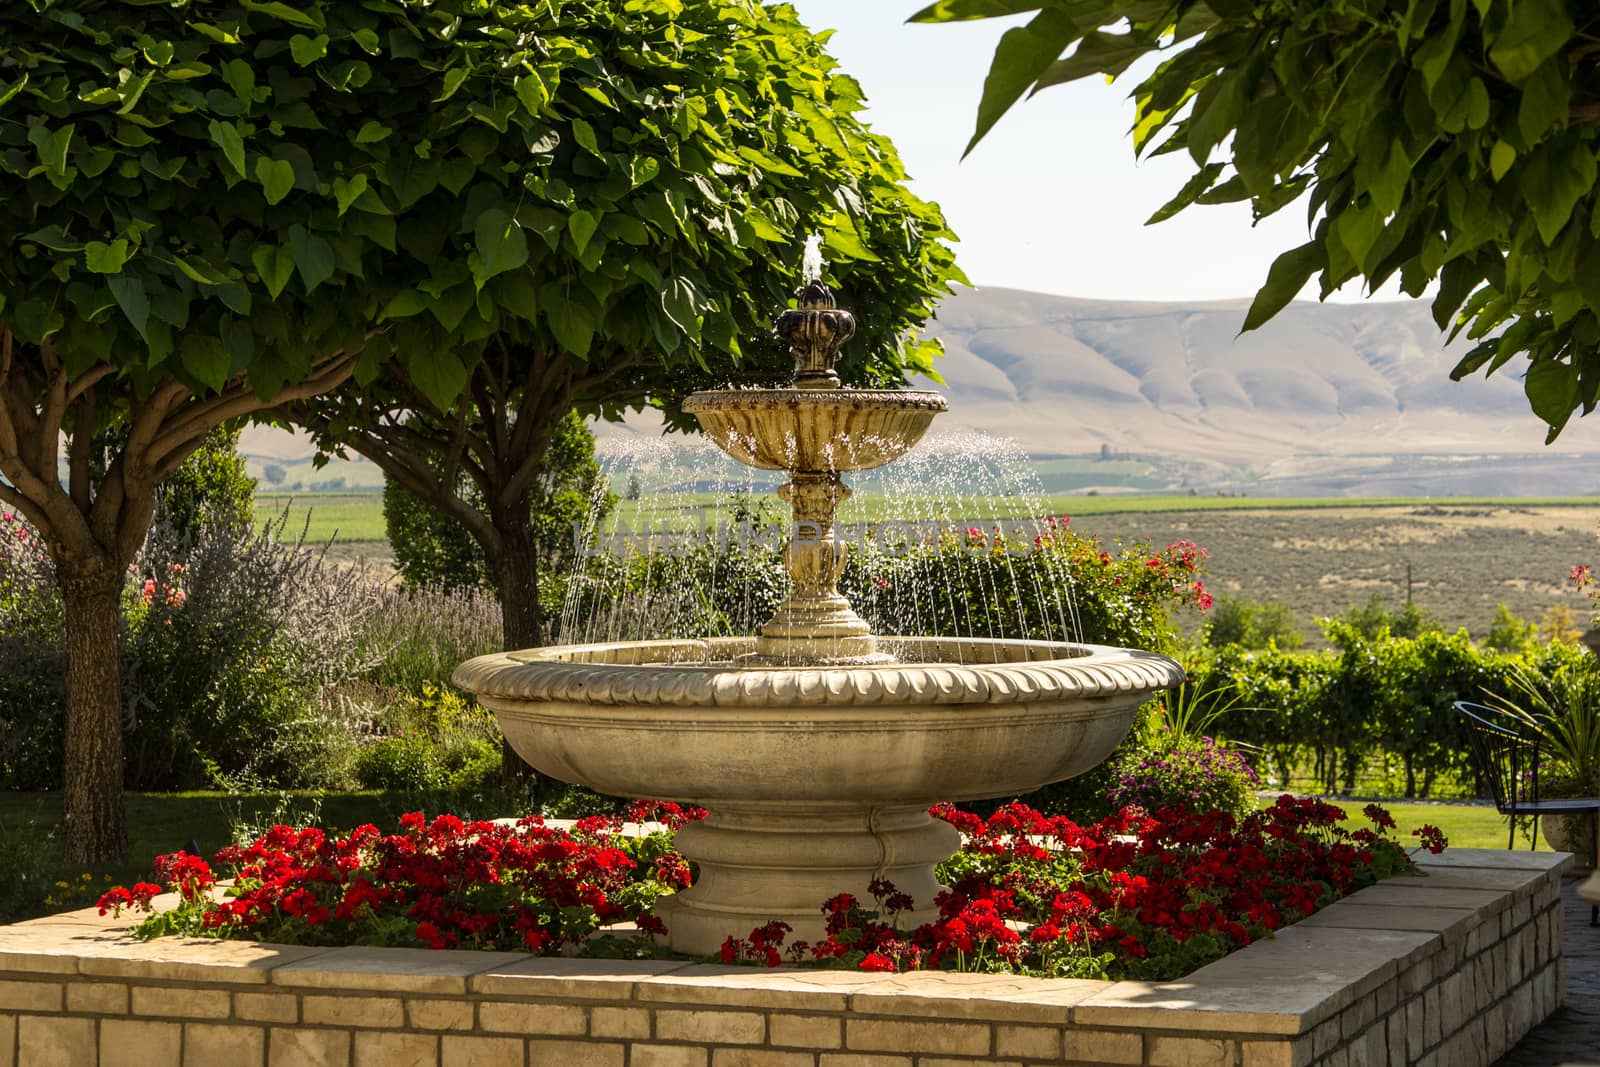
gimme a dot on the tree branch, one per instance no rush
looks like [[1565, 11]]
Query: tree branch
[[203, 415]]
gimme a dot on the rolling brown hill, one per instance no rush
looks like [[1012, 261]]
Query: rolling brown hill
[[1326, 400], [1342, 399]]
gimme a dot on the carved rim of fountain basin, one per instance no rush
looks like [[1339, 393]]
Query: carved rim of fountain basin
[[931, 670]]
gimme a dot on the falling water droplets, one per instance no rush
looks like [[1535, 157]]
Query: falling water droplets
[[689, 547]]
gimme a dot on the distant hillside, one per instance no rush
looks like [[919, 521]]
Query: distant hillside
[[1346, 399], [1112, 396]]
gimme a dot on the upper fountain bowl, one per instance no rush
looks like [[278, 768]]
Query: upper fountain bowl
[[815, 430]]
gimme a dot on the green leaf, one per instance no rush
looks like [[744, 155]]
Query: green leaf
[[54, 239], [403, 306], [371, 132], [452, 81], [276, 177], [307, 50], [962, 10], [275, 264], [841, 240], [440, 375], [583, 133], [347, 191], [1203, 179], [572, 322], [1217, 110], [293, 16], [52, 146], [313, 256], [532, 92], [681, 301], [582, 225], [1285, 278], [1552, 390], [102, 258], [204, 357], [1553, 179], [241, 78], [200, 271], [1546, 99], [367, 41], [1501, 156], [1023, 54], [501, 244], [130, 296], [227, 138], [13, 89], [642, 170], [515, 292], [132, 90], [1535, 31]]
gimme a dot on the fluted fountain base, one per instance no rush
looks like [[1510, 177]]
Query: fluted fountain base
[[760, 862]]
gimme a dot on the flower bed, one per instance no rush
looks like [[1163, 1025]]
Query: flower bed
[[1133, 896]]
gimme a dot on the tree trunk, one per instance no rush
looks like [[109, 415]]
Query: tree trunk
[[96, 825], [521, 623], [517, 569]]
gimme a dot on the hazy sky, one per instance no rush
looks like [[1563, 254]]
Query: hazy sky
[[1052, 200]]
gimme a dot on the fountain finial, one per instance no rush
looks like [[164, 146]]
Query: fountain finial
[[817, 328]]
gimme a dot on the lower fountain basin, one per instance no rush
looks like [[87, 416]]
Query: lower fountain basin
[[817, 779]]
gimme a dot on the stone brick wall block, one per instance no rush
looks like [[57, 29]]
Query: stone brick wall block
[[139, 1043], [307, 1048], [208, 1044], [52, 1041], [377, 1049]]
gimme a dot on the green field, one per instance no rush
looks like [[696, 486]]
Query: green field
[[323, 517]]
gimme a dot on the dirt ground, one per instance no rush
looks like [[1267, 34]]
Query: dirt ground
[[1459, 562]]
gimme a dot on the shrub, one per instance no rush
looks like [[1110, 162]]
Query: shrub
[[210, 488], [401, 761], [1199, 775], [416, 636], [435, 739], [1251, 624]]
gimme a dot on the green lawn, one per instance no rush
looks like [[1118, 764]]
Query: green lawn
[[1464, 825], [332, 516], [160, 823]]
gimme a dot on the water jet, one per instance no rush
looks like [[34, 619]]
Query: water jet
[[816, 751]]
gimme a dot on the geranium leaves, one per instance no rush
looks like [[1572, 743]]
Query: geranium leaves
[[1457, 142]]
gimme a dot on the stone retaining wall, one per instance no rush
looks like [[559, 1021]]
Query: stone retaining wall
[[1449, 970]]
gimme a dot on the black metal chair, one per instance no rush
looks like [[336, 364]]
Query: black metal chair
[[1507, 753]]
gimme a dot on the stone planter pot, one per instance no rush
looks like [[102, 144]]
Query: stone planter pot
[[1590, 639], [1569, 833]]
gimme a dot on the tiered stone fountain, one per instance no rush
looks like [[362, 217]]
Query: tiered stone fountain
[[816, 751]]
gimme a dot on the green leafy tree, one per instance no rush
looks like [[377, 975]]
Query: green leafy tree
[[432, 549], [1251, 624], [649, 173], [1430, 141], [210, 208], [1509, 632], [1372, 620]]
